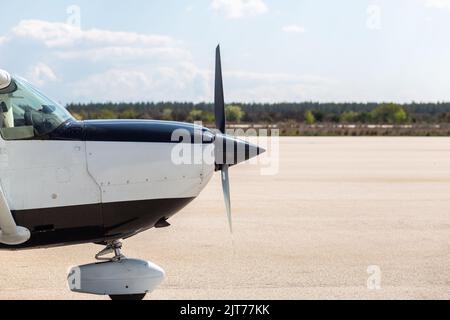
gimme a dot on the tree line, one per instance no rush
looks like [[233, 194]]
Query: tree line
[[263, 113]]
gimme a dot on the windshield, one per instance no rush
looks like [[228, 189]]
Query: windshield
[[25, 113]]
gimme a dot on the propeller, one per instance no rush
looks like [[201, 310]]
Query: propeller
[[219, 110], [229, 151]]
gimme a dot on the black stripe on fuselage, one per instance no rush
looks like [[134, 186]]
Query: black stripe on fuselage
[[96, 223], [131, 131]]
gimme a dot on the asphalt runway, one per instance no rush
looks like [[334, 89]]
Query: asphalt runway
[[337, 208]]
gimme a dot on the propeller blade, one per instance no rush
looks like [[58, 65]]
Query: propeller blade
[[219, 110], [226, 194], [219, 101]]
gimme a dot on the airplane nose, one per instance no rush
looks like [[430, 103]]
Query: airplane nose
[[232, 151]]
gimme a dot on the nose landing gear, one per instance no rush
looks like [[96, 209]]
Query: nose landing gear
[[112, 247], [118, 277]]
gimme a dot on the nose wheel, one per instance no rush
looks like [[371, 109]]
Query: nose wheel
[[116, 276], [116, 247], [128, 297]]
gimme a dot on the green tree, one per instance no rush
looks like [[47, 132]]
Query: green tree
[[167, 114], [349, 117], [195, 115], [365, 117], [234, 114], [319, 116], [129, 114], [208, 117], [400, 116], [309, 118], [107, 114], [390, 113]]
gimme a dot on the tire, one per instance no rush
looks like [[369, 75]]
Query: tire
[[127, 297]]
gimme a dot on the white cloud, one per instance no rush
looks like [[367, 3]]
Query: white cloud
[[271, 77], [183, 82], [41, 74], [100, 65], [294, 29], [440, 4], [4, 40], [113, 85], [235, 9], [62, 35], [276, 87], [118, 54]]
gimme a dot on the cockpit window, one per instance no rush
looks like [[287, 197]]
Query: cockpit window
[[25, 113]]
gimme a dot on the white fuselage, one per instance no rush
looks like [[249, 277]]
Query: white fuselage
[[41, 174]]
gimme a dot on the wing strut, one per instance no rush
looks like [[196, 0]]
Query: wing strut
[[10, 233]]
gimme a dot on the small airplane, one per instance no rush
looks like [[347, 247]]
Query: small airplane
[[66, 182]]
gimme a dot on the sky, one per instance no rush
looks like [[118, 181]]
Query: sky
[[272, 50]]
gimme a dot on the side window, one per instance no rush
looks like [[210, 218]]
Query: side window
[[12, 120], [27, 114]]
